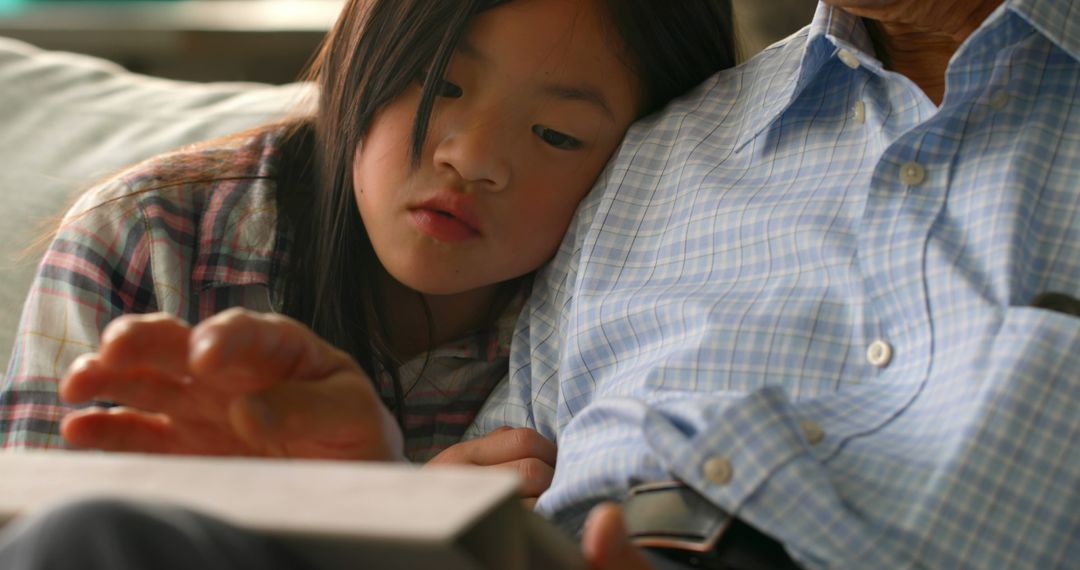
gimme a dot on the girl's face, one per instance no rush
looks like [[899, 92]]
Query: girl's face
[[534, 102]]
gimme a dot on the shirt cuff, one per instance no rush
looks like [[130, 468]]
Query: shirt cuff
[[742, 444]]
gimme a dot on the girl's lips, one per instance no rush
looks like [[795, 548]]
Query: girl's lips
[[448, 216], [442, 225], [458, 205]]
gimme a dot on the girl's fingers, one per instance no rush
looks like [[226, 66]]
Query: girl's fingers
[[504, 445], [522, 450], [145, 388], [156, 340], [239, 383], [119, 429], [127, 430], [83, 380], [339, 416], [250, 351], [535, 475]]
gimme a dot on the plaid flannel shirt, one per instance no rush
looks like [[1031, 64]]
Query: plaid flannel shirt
[[142, 242]]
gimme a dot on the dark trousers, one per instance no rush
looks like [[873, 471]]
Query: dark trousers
[[103, 534], [115, 535]]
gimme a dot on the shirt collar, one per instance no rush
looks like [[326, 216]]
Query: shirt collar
[[1058, 20], [802, 56]]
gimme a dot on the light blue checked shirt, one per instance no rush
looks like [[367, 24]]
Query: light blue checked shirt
[[803, 290]]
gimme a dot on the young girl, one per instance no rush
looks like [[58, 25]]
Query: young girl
[[452, 143]]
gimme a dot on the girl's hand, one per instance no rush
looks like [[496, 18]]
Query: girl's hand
[[239, 383], [522, 450]]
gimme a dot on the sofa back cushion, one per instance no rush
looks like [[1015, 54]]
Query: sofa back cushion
[[67, 121]]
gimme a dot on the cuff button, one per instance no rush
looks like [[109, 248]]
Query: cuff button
[[717, 470]]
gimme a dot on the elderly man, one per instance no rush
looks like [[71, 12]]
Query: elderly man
[[825, 304], [820, 292]]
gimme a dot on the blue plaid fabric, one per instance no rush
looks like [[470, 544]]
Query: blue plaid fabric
[[805, 290]]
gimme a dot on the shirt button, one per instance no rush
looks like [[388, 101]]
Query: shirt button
[[848, 58], [860, 112], [813, 432], [717, 470], [912, 174], [879, 353], [999, 100]]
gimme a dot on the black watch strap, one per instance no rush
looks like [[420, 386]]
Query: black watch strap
[[673, 521]]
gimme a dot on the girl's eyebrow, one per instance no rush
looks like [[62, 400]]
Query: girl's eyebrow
[[584, 93]]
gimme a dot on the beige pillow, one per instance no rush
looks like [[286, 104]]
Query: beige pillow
[[68, 120]]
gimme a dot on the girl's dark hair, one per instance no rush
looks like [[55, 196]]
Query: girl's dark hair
[[374, 52]]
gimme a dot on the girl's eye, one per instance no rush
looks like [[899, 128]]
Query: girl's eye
[[444, 88], [556, 139]]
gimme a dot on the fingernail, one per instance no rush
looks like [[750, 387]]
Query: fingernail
[[599, 510], [201, 348], [221, 347], [590, 518], [81, 362]]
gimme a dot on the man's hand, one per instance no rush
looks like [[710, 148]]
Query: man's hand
[[605, 543], [522, 450], [239, 383]]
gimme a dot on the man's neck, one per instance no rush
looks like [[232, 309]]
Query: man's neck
[[919, 38]]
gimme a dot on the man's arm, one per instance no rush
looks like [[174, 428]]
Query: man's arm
[[819, 321]]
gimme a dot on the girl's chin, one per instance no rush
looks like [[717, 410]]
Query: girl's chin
[[424, 280]]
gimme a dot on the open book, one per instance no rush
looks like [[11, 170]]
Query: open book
[[338, 514]]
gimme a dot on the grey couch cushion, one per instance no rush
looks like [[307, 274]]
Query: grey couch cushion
[[68, 120]]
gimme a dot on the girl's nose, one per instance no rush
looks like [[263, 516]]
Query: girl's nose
[[478, 152]]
